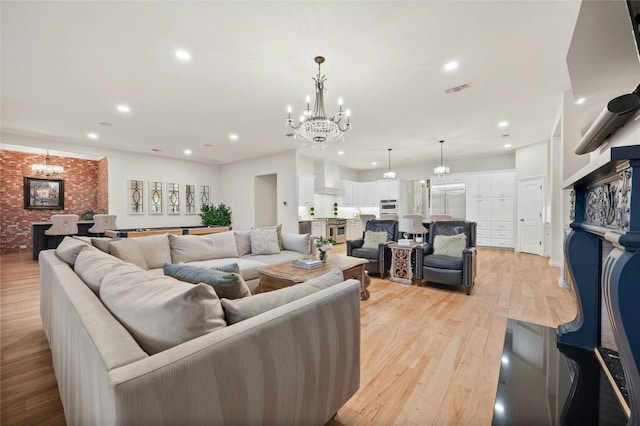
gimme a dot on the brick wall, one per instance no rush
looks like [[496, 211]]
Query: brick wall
[[85, 188]]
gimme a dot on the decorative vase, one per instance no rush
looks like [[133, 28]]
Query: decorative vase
[[323, 256]]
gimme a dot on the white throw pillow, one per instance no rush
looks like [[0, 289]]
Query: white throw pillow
[[160, 312], [128, 250], [373, 239], [69, 249], [450, 245], [296, 242], [264, 241]]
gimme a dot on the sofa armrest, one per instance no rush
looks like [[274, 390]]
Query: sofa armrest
[[427, 249], [353, 244], [296, 364]]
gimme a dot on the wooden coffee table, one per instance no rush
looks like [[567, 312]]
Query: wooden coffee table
[[282, 275]]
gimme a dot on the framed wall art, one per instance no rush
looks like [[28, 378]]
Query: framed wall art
[[155, 198], [43, 194], [136, 197], [190, 199], [173, 198]]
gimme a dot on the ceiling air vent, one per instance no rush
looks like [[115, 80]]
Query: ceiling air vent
[[456, 89]]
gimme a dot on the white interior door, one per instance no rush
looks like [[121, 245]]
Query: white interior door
[[530, 207]]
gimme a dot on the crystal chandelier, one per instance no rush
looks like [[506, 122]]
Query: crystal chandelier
[[441, 170], [314, 126], [47, 168], [389, 174]]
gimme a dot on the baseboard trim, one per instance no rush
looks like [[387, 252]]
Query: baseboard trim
[[555, 263], [563, 283]]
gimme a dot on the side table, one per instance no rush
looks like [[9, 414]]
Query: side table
[[403, 262]]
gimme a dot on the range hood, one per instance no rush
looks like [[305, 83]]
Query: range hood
[[328, 179]]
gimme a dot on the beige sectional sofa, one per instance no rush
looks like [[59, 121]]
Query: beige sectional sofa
[[124, 349]]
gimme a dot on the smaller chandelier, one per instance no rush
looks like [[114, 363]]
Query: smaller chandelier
[[389, 174], [314, 126], [47, 168], [441, 170]]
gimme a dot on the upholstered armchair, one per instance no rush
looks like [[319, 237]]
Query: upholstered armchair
[[450, 259], [379, 257]]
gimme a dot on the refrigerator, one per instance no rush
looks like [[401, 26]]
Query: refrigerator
[[449, 199]]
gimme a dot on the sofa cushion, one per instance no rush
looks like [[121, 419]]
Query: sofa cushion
[[449, 245], [129, 251], [226, 284], [264, 241], [296, 242], [243, 242], [367, 253], [155, 249], [373, 239], [92, 266], [190, 248], [102, 243], [69, 249], [443, 262], [241, 309], [160, 312]]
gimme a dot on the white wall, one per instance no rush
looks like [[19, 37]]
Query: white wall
[[238, 188], [123, 166], [532, 160]]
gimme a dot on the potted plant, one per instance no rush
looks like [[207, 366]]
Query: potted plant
[[219, 215], [312, 211], [335, 209]]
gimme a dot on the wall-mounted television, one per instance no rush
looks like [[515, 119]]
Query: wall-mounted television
[[604, 64]]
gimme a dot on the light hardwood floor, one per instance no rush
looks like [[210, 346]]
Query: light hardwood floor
[[429, 355]]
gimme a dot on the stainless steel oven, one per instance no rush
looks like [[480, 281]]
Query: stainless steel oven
[[388, 206], [337, 229]]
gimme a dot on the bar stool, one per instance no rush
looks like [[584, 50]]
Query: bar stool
[[62, 225], [417, 227], [102, 222]]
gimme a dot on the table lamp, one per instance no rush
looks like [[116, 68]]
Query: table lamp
[[405, 226]]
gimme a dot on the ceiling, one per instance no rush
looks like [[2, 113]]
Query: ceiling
[[67, 65]]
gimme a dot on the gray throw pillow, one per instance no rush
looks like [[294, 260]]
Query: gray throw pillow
[[69, 249], [227, 285], [264, 241], [241, 309], [128, 250]]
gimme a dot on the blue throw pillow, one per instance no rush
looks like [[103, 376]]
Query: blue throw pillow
[[227, 285]]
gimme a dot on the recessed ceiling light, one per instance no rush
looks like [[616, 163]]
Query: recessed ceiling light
[[183, 55], [373, 163], [450, 66], [580, 101], [340, 152], [92, 135], [123, 108], [507, 145], [233, 136], [187, 151], [503, 124]]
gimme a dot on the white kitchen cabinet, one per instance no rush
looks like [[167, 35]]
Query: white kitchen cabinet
[[503, 184], [306, 186], [319, 228], [479, 210], [389, 190], [502, 210], [367, 194], [349, 197], [480, 186], [354, 229]]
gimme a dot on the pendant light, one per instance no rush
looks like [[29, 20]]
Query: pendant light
[[389, 174], [441, 170]]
